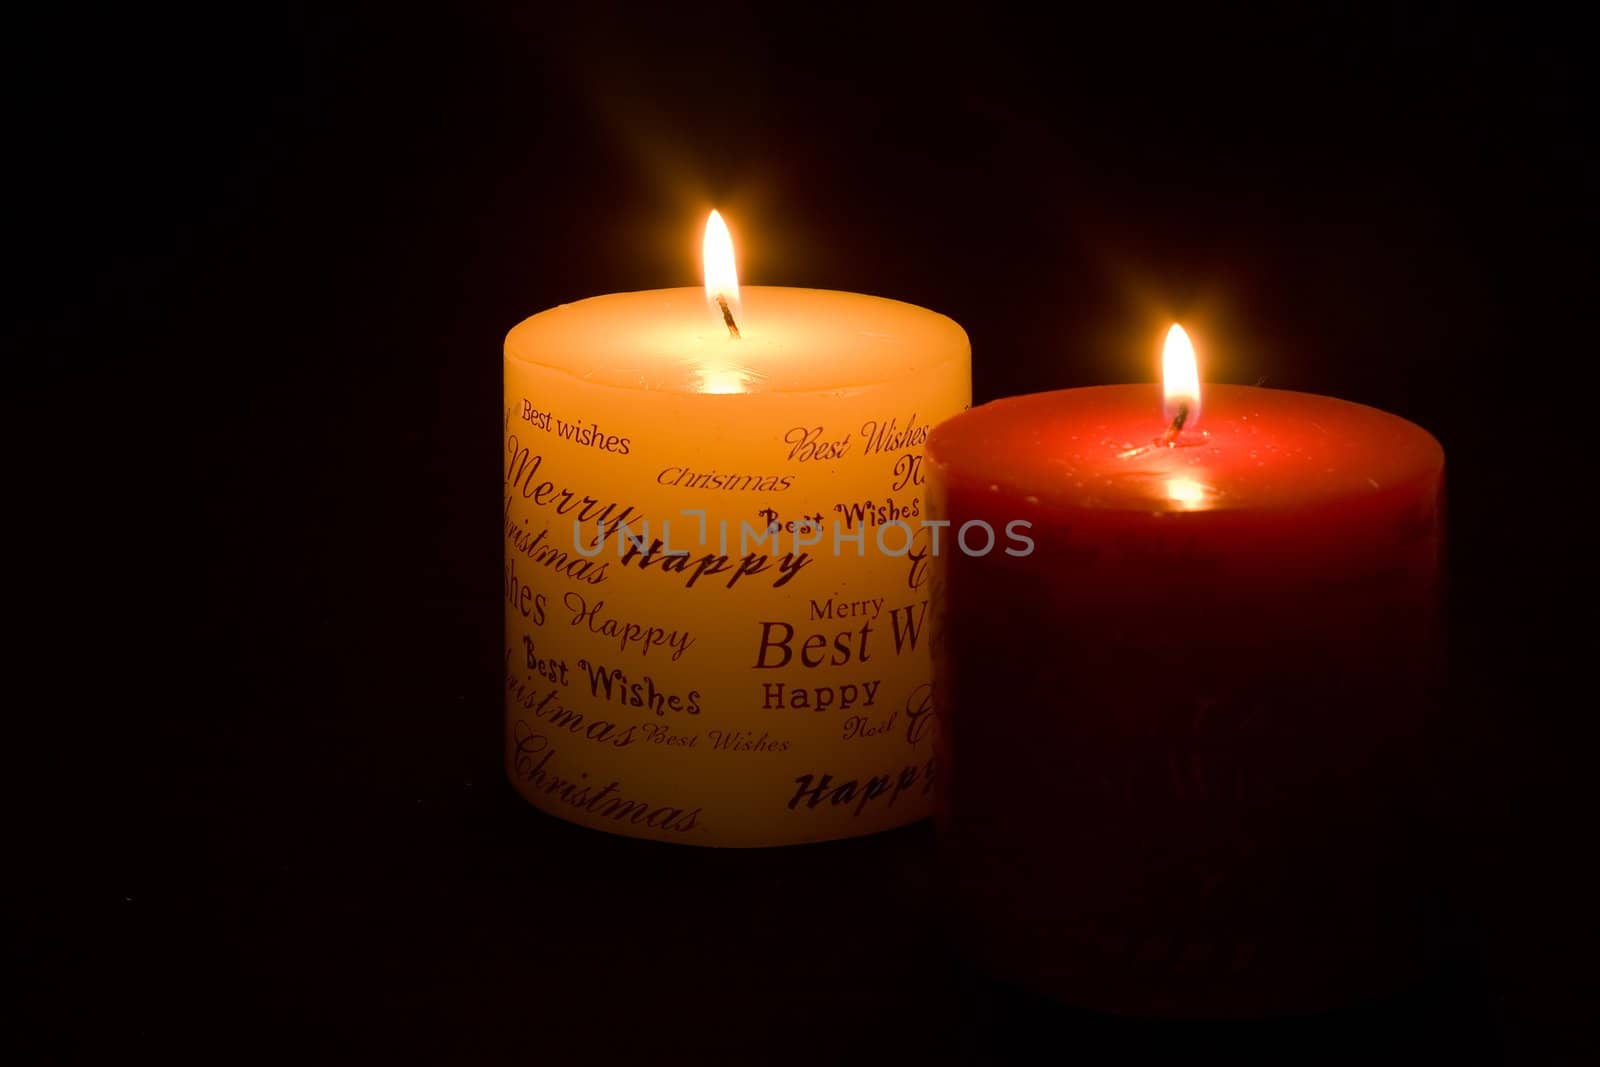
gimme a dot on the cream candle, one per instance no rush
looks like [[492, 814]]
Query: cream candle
[[714, 577]]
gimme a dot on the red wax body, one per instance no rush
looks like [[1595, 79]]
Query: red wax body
[[1181, 739]]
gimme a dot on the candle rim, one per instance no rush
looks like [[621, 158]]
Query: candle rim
[[939, 341], [969, 464]]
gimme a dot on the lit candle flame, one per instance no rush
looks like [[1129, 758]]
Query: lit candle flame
[[1180, 378], [722, 278]]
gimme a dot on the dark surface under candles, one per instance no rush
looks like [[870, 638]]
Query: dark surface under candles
[[307, 235]]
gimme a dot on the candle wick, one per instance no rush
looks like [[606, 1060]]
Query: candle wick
[[727, 317], [1170, 438]]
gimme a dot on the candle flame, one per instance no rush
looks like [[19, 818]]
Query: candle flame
[[722, 278], [1180, 377]]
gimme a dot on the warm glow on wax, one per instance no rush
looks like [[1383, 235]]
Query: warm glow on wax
[[1186, 492], [722, 379], [1180, 377]]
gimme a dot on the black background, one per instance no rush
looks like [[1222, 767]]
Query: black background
[[306, 233]]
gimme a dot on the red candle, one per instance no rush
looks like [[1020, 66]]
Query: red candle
[[1180, 737]]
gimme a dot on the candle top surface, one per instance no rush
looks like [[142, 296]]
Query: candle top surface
[[1251, 448], [791, 340]]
